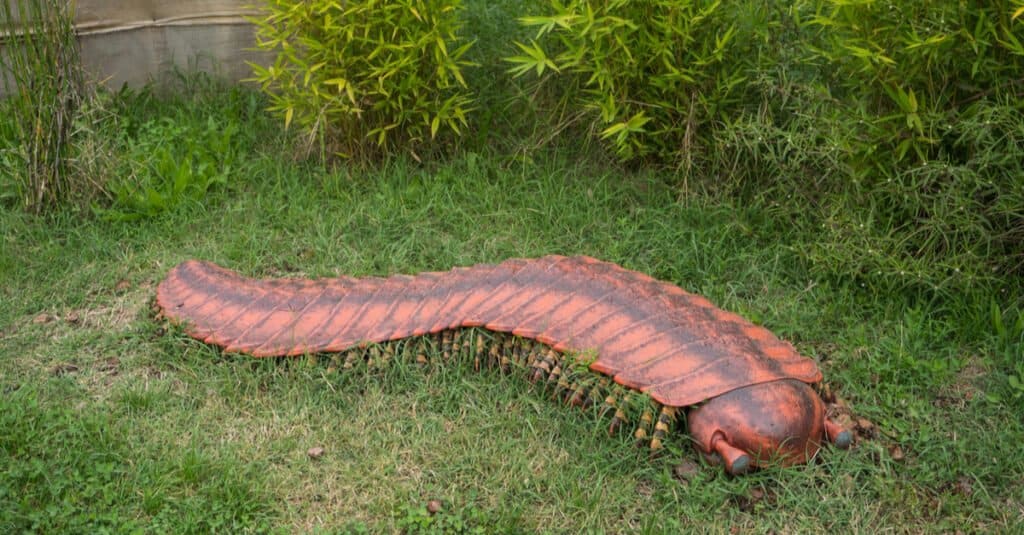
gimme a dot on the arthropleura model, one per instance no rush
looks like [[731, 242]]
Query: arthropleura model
[[594, 332]]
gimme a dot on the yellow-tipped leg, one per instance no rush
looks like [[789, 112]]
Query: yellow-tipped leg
[[478, 352], [666, 419], [620, 418], [596, 394], [421, 351], [643, 431], [507, 354], [457, 344], [578, 397], [352, 357], [494, 355], [446, 346], [543, 366]]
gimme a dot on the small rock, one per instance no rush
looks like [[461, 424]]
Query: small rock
[[315, 453], [896, 453], [434, 506], [42, 318]]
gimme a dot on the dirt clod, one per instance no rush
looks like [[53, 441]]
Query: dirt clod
[[434, 506], [963, 486], [43, 318], [748, 502], [896, 453], [865, 428], [686, 470], [63, 369], [315, 452], [110, 365]]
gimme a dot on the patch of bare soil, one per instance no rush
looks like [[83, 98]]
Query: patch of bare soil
[[964, 388], [128, 302], [115, 316]]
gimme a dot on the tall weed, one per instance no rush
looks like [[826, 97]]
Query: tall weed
[[43, 84]]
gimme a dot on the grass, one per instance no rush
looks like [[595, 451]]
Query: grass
[[111, 423]]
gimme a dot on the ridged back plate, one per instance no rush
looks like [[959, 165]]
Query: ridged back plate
[[649, 335]]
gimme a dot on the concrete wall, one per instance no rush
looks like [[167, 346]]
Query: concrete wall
[[134, 41]]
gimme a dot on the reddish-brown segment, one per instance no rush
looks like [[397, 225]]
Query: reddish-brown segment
[[648, 335]]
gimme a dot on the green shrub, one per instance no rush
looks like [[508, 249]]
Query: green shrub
[[891, 130], [365, 76], [915, 67], [930, 96], [43, 86], [168, 162], [654, 74]]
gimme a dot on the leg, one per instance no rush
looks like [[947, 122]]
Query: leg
[[665, 421], [579, 395], [543, 366], [643, 431], [494, 356], [507, 354], [478, 352], [446, 346], [421, 351], [352, 357], [620, 416]]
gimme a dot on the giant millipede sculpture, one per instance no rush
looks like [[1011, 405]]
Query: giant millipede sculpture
[[595, 333]]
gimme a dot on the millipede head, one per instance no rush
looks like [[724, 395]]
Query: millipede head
[[779, 421]]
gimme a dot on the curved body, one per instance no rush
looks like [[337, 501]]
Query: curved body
[[645, 334]]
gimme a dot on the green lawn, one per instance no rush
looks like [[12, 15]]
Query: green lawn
[[109, 422]]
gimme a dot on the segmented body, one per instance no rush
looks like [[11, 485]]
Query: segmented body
[[551, 317]]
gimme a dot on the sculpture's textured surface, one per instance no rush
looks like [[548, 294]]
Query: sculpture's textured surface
[[648, 335]]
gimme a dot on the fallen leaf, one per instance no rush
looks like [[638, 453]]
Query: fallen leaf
[[896, 453]]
